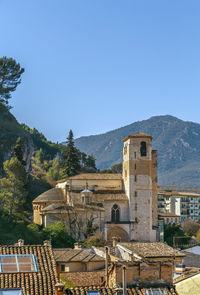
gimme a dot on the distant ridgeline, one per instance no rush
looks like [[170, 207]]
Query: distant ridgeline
[[177, 143]]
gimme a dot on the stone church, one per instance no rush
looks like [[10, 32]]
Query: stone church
[[119, 205]]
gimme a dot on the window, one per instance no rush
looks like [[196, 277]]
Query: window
[[135, 154], [115, 213], [155, 292], [62, 267], [143, 149], [17, 263], [135, 178], [125, 150], [10, 292], [93, 292], [135, 193]]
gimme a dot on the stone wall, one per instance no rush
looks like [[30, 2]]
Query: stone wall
[[93, 278], [154, 191], [144, 272]]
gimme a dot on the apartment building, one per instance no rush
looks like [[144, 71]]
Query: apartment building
[[184, 204]]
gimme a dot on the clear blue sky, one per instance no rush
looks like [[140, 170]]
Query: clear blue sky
[[96, 65]]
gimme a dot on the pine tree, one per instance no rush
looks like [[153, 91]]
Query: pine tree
[[91, 162], [13, 190], [10, 78], [71, 158], [18, 150]]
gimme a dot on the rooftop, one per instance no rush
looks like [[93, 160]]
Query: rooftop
[[52, 195], [167, 214], [151, 249], [137, 135], [75, 255], [109, 291], [93, 176], [40, 282], [180, 194]]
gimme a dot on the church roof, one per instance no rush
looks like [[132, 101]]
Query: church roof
[[137, 135], [52, 195], [151, 249], [57, 206], [62, 208], [93, 176]]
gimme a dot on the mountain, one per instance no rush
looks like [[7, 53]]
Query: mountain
[[177, 143], [10, 130]]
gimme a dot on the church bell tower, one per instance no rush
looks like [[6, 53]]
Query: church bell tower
[[140, 180]]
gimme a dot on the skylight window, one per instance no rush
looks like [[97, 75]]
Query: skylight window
[[17, 263], [155, 292], [11, 292], [93, 292]]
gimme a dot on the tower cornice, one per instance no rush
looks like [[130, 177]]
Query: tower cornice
[[137, 135]]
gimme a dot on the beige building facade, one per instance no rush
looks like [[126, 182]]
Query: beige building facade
[[119, 205]]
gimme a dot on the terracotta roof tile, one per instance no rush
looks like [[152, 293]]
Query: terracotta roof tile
[[52, 195], [151, 249], [109, 291], [75, 255], [41, 282], [93, 176]]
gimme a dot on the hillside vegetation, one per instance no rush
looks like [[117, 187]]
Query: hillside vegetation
[[177, 142]]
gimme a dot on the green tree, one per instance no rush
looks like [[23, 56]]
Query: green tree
[[96, 240], [90, 162], [13, 187], [190, 227], [39, 155], [173, 234], [18, 150], [58, 235], [71, 158], [10, 78], [54, 172], [117, 168]]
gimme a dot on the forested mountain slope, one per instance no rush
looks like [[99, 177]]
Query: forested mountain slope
[[10, 130], [177, 142]]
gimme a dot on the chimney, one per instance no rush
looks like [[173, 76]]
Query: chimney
[[114, 242], [59, 288], [20, 242], [77, 246], [106, 267], [47, 243], [58, 270], [124, 280]]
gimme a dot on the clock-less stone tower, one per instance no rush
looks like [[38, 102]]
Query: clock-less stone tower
[[140, 180]]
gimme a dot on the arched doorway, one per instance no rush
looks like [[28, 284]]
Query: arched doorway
[[117, 232]]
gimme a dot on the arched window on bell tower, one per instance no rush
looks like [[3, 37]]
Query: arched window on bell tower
[[143, 149], [115, 213]]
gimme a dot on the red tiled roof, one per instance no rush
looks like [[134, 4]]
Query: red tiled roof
[[41, 282], [109, 291], [152, 249], [75, 255]]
